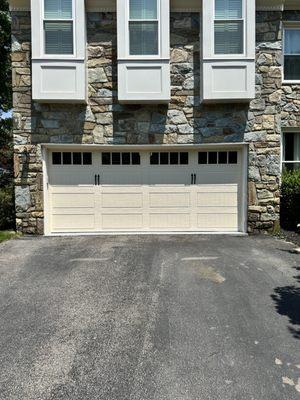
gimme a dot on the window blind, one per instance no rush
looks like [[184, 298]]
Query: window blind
[[143, 9], [292, 41], [58, 9], [143, 38], [228, 9], [58, 37], [292, 54], [229, 37]]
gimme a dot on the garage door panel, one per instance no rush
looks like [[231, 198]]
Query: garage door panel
[[73, 211], [122, 221], [218, 188], [169, 199], [217, 199], [169, 221], [122, 200], [216, 210], [121, 176], [73, 200], [73, 222], [217, 221]]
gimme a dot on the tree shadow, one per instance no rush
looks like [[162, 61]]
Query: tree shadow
[[287, 301]]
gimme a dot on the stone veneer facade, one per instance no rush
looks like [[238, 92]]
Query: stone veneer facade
[[182, 121]]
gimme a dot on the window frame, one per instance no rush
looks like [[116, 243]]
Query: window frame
[[43, 35], [120, 164], [288, 26], [72, 164], [159, 33], [283, 141], [169, 164], [243, 19], [228, 162]]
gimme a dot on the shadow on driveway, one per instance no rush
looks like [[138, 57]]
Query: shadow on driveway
[[287, 299]]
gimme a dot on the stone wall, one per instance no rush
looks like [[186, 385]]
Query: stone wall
[[183, 120], [265, 126]]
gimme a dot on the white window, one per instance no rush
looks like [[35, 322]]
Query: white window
[[143, 27], [228, 50], [143, 33], [291, 150], [229, 27], [292, 54], [58, 27]]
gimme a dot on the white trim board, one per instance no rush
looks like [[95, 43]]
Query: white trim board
[[145, 147], [129, 233], [176, 5]]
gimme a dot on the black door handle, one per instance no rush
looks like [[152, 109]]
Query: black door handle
[[193, 179], [97, 179]]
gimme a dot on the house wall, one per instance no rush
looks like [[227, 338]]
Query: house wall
[[182, 121]]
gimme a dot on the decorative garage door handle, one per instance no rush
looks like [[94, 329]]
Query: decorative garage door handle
[[193, 179], [97, 179]]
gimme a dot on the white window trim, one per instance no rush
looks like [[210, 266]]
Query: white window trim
[[127, 34], [43, 41], [41, 61], [288, 26], [243, 19], [208, 33]]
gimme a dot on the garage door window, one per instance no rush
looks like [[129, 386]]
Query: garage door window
[[121, 159], [69, 158], [173, 158], [217, 157]]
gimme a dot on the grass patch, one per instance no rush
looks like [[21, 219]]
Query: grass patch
[[6, 235]]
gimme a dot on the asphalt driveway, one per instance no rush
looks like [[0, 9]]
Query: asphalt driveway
[[149, 318]]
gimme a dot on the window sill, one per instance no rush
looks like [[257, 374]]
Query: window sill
[[286, 82], [224, 58], [56, 58], [143, 58]]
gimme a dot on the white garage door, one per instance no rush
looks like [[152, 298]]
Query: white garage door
[[145, 191]]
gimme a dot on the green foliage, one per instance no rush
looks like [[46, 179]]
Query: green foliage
[[6, 150], [7, 214], [5, 68], [290, 199], [7, 219], [6, 235]]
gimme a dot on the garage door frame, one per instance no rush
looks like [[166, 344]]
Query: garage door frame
[[242, 147]]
